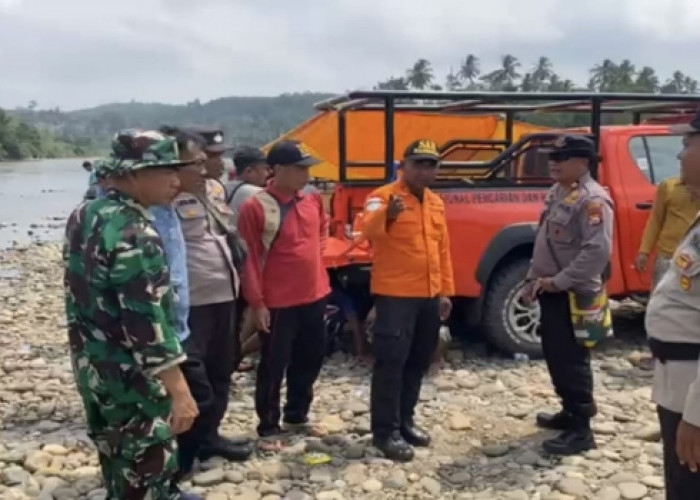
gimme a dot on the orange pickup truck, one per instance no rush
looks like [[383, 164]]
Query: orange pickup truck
[[493, 206]]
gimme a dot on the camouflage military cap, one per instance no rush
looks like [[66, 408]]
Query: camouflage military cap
[[134, 150]]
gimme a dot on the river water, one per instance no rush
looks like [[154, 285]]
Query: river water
[[36, 197]]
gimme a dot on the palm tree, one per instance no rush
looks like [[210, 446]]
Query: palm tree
[[676, 85], [624, 76], [603, 76], [556, 84], [647, 81], [542, 72], [470, 69], [504, 76], [690, 85], [528, 84], [420, 75], [452, 82], [393, 83]]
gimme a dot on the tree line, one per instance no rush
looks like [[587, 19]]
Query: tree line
[[513, 75], [20, 140], [29, 132], [245, 120]]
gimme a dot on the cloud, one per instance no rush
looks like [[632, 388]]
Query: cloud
[[78, 53]]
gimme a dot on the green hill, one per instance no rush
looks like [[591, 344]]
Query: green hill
[[245, 120]]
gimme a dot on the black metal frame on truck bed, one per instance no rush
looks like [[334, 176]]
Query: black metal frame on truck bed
[[509, 104]]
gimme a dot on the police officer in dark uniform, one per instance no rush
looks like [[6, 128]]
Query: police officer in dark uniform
[[572, 251]]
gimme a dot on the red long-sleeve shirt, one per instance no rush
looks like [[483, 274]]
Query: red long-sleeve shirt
[[292, 272]]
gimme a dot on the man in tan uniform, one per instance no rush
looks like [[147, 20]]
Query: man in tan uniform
[[573, 247], [212, 347], [214, 148], [673, 327]]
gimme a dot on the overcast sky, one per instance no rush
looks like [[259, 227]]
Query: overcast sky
[[80, 53]]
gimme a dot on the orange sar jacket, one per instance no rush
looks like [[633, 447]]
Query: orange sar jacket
[[411, 253]]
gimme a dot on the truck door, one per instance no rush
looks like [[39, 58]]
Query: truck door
[[646, 159]]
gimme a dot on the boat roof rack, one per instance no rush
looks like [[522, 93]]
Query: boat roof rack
[[524, 102], [510, 104]]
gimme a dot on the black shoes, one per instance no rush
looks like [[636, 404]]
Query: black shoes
[[561, 421], [415, 436], [570, 442], [394, 448], [226, 448]]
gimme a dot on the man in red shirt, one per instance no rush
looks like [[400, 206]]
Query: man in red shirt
[[286, 286]]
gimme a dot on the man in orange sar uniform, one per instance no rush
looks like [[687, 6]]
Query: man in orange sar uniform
[[411, 282]]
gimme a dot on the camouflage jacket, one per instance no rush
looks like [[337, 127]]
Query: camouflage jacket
[[119, 303]]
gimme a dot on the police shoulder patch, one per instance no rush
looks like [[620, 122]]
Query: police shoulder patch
[[373, 204], [594, 212], [684, 261], [686, 283]]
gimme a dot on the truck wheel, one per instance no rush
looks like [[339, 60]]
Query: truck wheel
[[508, 324]]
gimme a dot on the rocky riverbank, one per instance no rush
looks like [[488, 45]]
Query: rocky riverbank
[[479, 409]]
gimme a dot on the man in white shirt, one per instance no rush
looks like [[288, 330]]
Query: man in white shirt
[[252, 172]]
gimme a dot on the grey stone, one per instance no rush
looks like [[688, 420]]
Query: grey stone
[[47, 426], [247, 495], [623, 477], [431, 485], [397, 480], [271, 489], [209, 478], [354, 451], [528, 458], [572, 486], [234, 476], [605, 428], [632, 491], [274, 470], [321, 475], [357, 407], [608, 493], [330, 495], [65, 494], [460, 422], [516, 495], [461, 477], [372, 485], [98, 494], [495, 450], [650, 433], [13, 476], [12, 456], [655, 482]]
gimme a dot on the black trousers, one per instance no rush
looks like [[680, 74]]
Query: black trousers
[[569, 363], [241, 306], [212, 351], [295, 346], [405, 335], [681, 484]]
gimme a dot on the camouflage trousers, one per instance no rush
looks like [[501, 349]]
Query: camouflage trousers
[[136, 447]]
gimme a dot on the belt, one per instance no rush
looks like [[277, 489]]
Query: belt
[[674, 351]]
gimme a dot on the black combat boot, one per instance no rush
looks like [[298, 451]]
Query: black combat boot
[[561, 421], [574, 440], [415, 436], [219, 446], [394, 447], [570, 442]]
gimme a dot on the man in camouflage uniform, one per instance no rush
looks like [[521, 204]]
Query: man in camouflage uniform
[[124, 351]]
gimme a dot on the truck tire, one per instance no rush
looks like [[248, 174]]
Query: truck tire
[[506, 322]]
